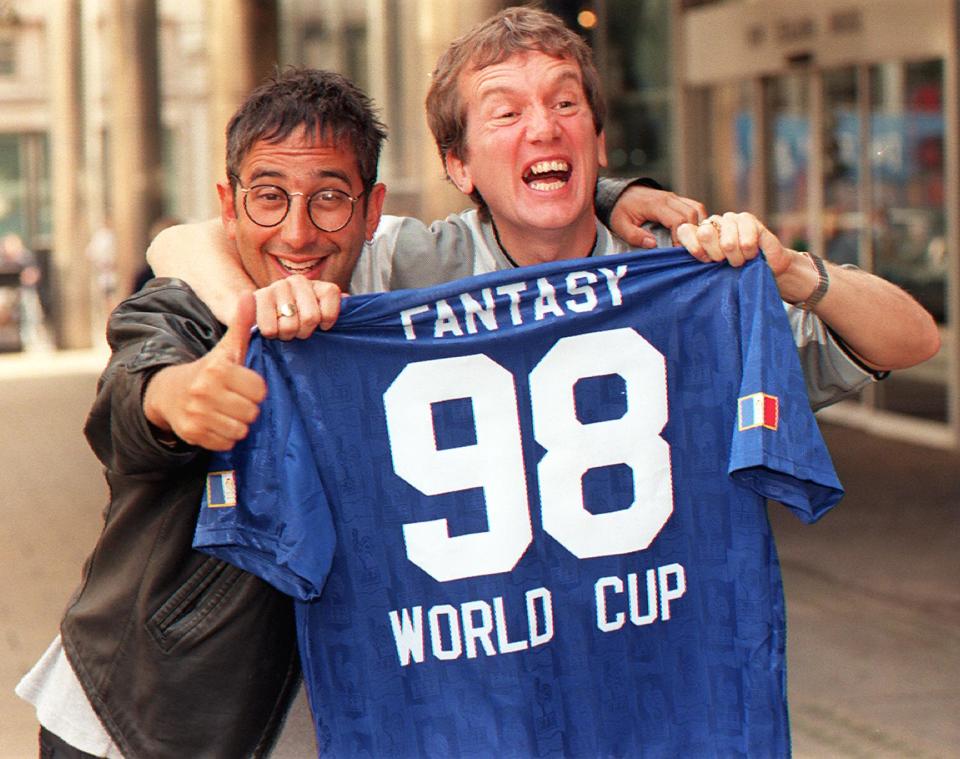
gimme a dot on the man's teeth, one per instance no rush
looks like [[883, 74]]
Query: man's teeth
[[554, 185], [544, 166], [298, 268], [557, 173]]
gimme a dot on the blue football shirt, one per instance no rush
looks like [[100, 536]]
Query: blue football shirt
[[524, 514]]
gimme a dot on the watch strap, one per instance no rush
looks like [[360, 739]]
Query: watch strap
[[823, 283]]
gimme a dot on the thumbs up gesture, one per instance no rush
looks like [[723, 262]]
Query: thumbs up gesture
[[210, 402]]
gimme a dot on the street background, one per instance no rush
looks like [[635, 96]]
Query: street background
[[873, 597], [823, 116]]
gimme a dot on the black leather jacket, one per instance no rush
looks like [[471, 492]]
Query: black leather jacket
[[180, 654]]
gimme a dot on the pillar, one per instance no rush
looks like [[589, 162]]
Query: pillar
[[438, 27], [70, 270], [243, 45], [136, 177]]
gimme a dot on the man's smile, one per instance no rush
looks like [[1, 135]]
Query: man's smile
[[299, 267], [547, 175]]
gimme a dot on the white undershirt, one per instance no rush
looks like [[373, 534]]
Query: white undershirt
[[62, 706], [54, 690]]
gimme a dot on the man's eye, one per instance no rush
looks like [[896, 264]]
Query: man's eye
[[329, 198], [565, 104], [269, 196]]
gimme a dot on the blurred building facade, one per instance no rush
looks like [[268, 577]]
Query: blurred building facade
[[834, 120]]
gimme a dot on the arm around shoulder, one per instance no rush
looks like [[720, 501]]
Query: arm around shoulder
[[202, 255], [627, 205]]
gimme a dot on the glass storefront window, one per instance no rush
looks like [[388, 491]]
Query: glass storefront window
[[842, 219], [730, 138], [25, 205], [788, 152], [881, 174], [907, 132], [636, 77], [908, 223], [840, 147], [12, 186]]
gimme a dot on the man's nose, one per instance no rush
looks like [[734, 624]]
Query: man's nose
[[297, 229], [543, 124]]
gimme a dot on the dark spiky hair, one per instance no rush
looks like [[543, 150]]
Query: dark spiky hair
[[322, 102]]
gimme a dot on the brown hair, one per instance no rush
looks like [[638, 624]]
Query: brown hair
[[511, 31], [318, 100]]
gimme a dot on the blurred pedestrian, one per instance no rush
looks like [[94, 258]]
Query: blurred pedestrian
[[101, 252], [33, 330]]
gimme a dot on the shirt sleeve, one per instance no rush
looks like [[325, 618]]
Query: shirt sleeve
[[830, 371], [264, 508], [777, 449]]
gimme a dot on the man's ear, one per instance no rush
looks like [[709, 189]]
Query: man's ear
[[228, 209], [459, 173], [374, 209], [602, 148]]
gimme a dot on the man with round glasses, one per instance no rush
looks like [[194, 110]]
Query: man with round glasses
[[165, 652]]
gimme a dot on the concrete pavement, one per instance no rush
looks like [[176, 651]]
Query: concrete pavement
[[873, 590], [51, 497], [873, 605]]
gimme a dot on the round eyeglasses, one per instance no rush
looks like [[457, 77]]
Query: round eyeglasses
[[267, 205]]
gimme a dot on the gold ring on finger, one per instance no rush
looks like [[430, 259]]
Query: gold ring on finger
[[287, 309], [714, 222]]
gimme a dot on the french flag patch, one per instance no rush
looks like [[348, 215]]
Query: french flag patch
[[758, 410], [221, 489]]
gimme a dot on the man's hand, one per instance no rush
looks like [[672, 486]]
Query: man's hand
[[733, 237], [639, 204], [877, 320], [210, 402], [308, 304], [739, 237]]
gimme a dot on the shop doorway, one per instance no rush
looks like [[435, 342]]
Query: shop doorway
[[848, 162]]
